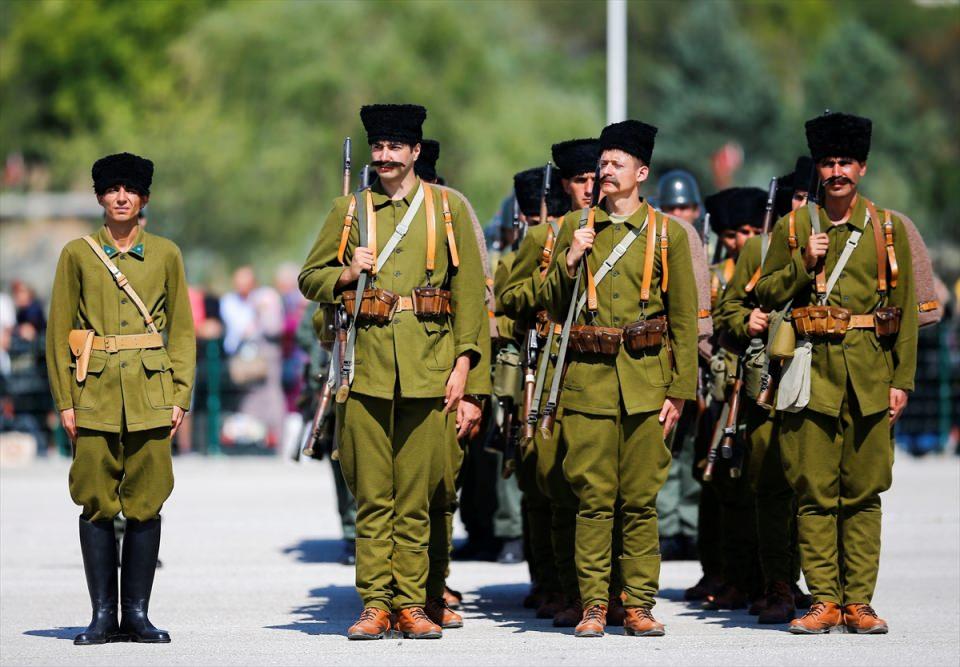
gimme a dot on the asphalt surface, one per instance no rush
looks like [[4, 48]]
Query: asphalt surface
[[249, 577]]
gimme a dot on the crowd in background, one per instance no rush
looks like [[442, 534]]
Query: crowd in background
[[250, 373]]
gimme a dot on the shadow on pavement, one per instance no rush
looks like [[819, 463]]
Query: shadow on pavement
[[503, 604], [725, 618], [316, 551], [57, 633], [330, 611]]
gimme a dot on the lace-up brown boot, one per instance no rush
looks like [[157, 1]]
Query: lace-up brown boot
[[569, 616], [729, 597], [819, 620], [452, 598], [780, 607], [551, 605], [413, 623], [641, 623], [373, 624], [440, 613], [861, 619], [593, 622], [708, 585]]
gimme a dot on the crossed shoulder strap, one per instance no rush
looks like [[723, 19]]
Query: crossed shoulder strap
[[122, 283]]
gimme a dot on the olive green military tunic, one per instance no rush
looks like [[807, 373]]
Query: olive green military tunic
[[394, 436], [763, 489], [615, 445], [123, 408], [535, 505], [838, 451]]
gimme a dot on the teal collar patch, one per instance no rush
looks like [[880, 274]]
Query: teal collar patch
[[136, 251]]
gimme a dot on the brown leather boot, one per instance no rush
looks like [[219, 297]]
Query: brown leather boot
[[569, 616], [616, 612], [708, 585], [641, 623], [373, 624], [819, 620], [452, 598], [440, 613], [414, 623], [593, 621], [551, 605], [759, 604], [780, 606], [861, 619], [729, 597], [534, 598]]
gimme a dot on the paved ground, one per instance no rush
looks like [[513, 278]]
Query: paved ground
[[248, 579]]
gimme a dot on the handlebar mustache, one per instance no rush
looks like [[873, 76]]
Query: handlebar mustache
[[387, 163], [836, 179]]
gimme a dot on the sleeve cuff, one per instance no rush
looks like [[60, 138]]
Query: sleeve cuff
[[64, 404], [183, 401], [682, 394], [804, 276], [465, 348]]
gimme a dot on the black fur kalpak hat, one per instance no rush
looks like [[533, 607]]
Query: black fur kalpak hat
[[131, 171], [393, 122], [631, 136], [527, 186], [716, 205], [746, 206], [805, 177], [837, 134], [426, 165], [783, 202], [577, 156]]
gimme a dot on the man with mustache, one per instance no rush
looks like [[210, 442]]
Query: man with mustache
[[121, 354], [633, 363], [837, 448], [412, 343]]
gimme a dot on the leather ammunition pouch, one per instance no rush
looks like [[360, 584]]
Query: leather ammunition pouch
[[645, 334], [586, 339], [829, 322], [431, 302], [376, 307], [887, 320]]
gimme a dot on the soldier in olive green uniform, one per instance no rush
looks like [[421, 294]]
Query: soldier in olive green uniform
[[407, 394], [836, 438], [121, 379], [443, 502], [517, 295], [618, 404]]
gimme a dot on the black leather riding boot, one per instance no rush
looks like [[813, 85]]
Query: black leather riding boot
[[99, 549], [141, 545]]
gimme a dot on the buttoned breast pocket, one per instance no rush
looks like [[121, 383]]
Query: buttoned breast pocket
[[656, 366], [158, 378], [439, 353], [86, 394]]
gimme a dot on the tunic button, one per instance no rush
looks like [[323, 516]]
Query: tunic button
[[123, 364], [616, 295], [399, 250], [123, 301], [123, 323], [616, 273], [846, 346], [396, 274]]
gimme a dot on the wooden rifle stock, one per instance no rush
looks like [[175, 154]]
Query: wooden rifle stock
[[730, 428]]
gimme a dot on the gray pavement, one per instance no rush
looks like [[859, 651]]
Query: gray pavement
[[248, 578]]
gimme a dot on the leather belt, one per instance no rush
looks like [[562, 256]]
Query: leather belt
[[127, 342], [404, 303], [862, 321]]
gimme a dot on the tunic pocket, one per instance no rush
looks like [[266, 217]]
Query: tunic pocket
[[86, 393], [158, 378], [439, 356], [656, 367]]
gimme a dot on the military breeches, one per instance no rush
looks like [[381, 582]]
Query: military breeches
[[392, 456], [443, 504], [537, 512], [607, 458], [775, 500], [130, 472], [838, 467], [563, 507]]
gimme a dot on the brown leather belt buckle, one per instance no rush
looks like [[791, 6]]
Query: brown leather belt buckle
[[110, 344]]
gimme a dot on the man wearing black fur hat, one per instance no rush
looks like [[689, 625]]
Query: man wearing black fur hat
[[411, 252], [120, 356], [847, 381], [632, 365]]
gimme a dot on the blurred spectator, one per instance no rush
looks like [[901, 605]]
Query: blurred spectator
[[294, 358], [253, 324]]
